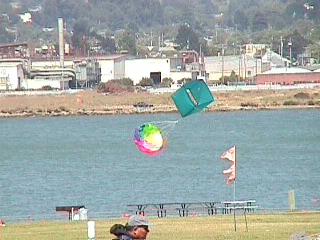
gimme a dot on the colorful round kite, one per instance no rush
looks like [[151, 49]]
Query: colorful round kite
[[149, 139]]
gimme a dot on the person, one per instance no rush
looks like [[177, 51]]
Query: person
[[137, 227]]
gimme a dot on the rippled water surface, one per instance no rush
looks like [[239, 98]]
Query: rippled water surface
[[47, 162]]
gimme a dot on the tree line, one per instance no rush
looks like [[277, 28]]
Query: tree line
[[123, 24]]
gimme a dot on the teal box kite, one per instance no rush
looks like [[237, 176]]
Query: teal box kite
[[193, 97]]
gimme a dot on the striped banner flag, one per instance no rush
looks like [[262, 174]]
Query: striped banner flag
[[230, 173]]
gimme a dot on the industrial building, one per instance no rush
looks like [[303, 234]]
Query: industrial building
[[11, 75], [288, 76]]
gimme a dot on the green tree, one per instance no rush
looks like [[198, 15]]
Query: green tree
[[240, 20], [294, 11], [299, 44], [5, 37], [259, 21], [80, 35], [187, 38], [127, 42]]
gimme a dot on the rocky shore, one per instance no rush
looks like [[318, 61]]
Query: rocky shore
[[92, 103]]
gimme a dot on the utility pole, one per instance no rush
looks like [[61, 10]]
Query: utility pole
[[240, 60], [222, 64], [290, 53], [61, 48], [281, 47]]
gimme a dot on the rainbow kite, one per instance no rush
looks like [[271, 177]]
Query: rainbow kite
[[149, 139]]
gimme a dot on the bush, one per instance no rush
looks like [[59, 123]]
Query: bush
[[290, 103], [302, 95], [184, 80], [233, 78], [249, 104], [114, 86], [47, 88], [166, 82], [126, 82], [146, 82]]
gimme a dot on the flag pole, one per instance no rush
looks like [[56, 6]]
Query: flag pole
[[235, 167], [234, 191]]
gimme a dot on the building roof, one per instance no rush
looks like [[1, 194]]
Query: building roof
[[274, 58], [111, 57], [286, 70]]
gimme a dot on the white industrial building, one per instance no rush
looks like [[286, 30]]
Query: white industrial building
[[112, 67], [44, 72], [11, 75], [155, 68]]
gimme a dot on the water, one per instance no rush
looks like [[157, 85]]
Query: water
[[92, 161]]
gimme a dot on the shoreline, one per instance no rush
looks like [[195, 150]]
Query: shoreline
[[92, 103], [124, 110]]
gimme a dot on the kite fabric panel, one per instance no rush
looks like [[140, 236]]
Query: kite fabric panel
[[193, 97]]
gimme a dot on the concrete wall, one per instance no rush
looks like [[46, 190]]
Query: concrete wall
[[136, 69], [31, 84], [288, 78]]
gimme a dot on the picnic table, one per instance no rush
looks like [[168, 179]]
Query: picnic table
[[182, 208], [245, 205]]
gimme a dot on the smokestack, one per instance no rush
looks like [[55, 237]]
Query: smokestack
[[61, 42], [61, 47]]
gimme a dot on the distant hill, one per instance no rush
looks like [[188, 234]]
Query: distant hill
[[237, 21], [143, 14]]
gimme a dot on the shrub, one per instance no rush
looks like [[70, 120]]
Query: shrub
[[114, 86], [126, 81], [290, 103], [249, 104], [166, 82], [145, 82], [63, 109], [47, 88], [184, 80], [302, 95]]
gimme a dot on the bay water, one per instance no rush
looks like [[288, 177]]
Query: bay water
[[93, 161]]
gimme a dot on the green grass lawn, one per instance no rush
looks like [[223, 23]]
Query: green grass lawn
[[277, 226]]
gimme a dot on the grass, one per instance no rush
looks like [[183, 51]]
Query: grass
[[261, 226]]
